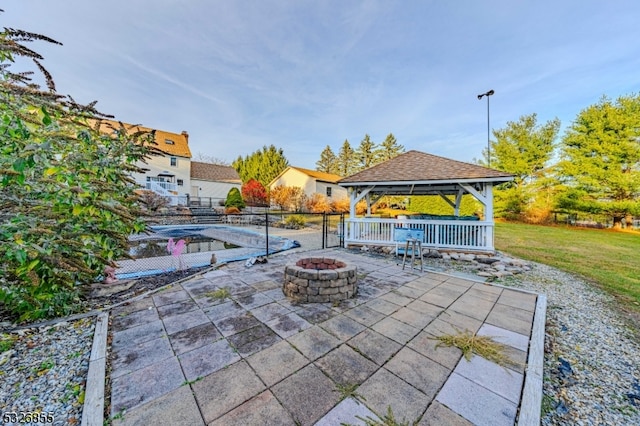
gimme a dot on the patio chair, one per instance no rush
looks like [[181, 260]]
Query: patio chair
[[412, 239]]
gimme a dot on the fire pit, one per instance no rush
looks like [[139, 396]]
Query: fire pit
[[320, 279]]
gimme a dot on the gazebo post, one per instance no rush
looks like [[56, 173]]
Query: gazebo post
[[487, 189]]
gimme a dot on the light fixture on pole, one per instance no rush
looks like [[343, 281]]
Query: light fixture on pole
[[487, 94]]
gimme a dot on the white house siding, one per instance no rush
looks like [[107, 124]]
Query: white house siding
[[160, 164], [295, 177], [337, 192], [208, 189]]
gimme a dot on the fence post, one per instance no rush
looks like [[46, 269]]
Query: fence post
[[324, 230], [266, 232]]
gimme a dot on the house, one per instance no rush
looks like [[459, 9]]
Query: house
[[311, 182], [211, 183], [172, 174]]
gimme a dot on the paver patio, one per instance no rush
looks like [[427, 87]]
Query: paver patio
[[181, 355]]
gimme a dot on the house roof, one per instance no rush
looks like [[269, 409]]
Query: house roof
[[415, 167], [214, 172], [170, 143], [321, 176]]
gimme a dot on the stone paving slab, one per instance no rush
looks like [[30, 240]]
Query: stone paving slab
[[349, 411], [258, 358], [145, 384], [500, 380], [277, 362], [345, 366], [476, 403], [138, 334], [127, 359], [439, 415], [419, 371], [224, 390], [307, 395], [314, 342], [384, 390], [516, 340], [207, 359], [342, 327], [194, 338], [179, 322], [374, 346], [263, 409], [177, 407]]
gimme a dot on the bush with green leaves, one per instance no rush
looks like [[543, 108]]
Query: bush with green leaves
[[295, 221], [234, 199], [67, 202]]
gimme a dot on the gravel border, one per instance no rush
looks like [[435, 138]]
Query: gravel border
[[46, 371]]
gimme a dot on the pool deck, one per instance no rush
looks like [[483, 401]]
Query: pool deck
[[179, 356]]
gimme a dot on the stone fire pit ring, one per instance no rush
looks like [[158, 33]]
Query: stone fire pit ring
[[320, 279]]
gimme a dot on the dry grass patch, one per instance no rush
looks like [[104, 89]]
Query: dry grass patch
[[483, 346]]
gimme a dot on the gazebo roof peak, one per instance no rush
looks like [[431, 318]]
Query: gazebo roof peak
[[416, 166]]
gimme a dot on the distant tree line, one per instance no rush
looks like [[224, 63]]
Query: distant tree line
[[593, 168], [349, 161]]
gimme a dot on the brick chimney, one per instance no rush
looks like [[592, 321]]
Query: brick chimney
[[186, 135]]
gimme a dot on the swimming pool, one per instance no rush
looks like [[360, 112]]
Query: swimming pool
[[247, 244]]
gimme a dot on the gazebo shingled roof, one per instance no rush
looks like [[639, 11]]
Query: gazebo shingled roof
[[416, 166]]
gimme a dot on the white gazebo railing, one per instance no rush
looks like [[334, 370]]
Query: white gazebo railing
[[463, 235]]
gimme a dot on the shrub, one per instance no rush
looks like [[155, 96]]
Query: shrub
[[361, 207], [153, 201], [434, 204], [234, 199], [67, 203], [318, 203], [254, 193], [295, 221], [341, 205], [231, 210]]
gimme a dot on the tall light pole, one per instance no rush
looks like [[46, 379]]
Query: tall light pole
[[487, 94]]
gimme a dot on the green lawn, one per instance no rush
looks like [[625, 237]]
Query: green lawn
[[607, 258]]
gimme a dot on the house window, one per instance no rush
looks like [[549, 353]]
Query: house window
[[169, 142], [328, 192], [174, 161], [180, 182]]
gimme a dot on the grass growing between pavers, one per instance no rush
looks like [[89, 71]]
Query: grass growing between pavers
[[605, 257], [388, 419]]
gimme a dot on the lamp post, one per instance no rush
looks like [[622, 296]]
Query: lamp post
[[487, 94]]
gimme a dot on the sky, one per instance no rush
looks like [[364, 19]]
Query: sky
[[300, 74]]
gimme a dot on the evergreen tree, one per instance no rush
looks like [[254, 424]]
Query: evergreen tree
[[389, 149], [366, 154], [262, 166], [328, 162], [346, 160], [234, 199], [601, 159], [524, 149]]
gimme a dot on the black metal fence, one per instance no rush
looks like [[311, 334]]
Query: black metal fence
[[198, 238]]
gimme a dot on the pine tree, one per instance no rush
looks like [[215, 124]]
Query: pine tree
[[328, 162], [366, 154], [601, 159], [389, 149], [262, 166], [346, 160]]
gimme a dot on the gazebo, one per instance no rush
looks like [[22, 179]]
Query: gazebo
[[419, 173]]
